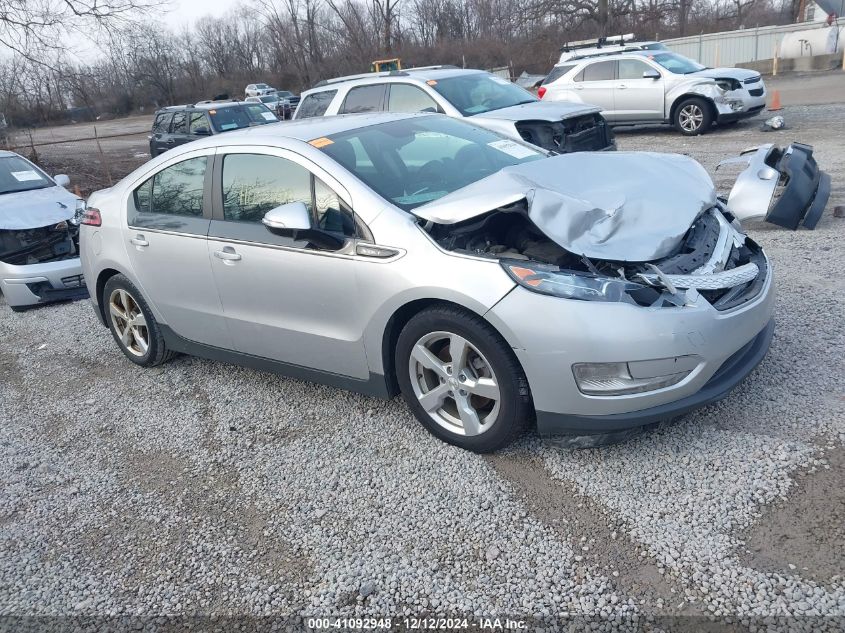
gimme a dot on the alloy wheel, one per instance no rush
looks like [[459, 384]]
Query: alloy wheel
[[691, 117], [454, 383], [129, 322]]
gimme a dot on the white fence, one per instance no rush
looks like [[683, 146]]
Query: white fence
[[733, 47]]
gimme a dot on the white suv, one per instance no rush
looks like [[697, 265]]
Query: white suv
[[477, 96], [656, 86]]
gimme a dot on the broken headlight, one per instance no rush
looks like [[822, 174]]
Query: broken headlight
[[567, 284], [78, 213]]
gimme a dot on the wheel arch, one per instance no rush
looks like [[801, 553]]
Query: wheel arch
[[102, 278], [398, 319], [687, 95]]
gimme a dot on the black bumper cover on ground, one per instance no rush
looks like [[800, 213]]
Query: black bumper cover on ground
[[589, 430], [805, 192]]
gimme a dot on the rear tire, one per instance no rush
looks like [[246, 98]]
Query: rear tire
[[461, 379], [132, 323], [693, 116]]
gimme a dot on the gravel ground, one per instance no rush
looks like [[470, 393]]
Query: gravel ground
[[201, 488]]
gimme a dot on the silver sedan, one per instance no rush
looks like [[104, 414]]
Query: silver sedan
[[494, 286]]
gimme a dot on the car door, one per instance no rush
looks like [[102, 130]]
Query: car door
[[638, 98], [167, 222], [595, 84], [284, 299]]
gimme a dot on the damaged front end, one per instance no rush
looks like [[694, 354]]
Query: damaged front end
[[784, 187], [583, 133], [23, 247], [714, 260]]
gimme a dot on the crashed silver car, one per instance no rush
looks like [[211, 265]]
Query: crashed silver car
[[39, 234], [493, 285]]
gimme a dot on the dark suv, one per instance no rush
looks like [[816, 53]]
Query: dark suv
[[176, 125]]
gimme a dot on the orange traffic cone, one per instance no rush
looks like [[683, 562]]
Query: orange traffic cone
[[775, 104]]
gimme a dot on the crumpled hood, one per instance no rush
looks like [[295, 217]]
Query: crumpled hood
[[740, 74], [538, 111], [36, 208], [621, 206]]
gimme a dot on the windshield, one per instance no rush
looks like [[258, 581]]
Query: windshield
[[261, 86], [17, 174], [417, 160], [238, 117], [268, 99], [677, 64], [477, 93], [284, 93]]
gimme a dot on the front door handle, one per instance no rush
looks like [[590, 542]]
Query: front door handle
[[228, 254], [622, 86], [139, 240]]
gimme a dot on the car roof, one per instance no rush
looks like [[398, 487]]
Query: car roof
[[600, 57], [419, 75], [306, 129], [203, 105]]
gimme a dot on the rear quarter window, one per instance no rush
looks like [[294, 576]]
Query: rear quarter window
[[315, 104], [557, 73]]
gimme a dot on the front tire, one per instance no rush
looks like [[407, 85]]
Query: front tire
[[132, 323], [693, 116], [461, 380]]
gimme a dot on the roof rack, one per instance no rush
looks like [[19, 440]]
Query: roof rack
[[613, 40], [436, 67], [385, 73], [618, 51]]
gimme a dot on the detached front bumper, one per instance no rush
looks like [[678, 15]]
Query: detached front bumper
[[785, 187], [34, 284]]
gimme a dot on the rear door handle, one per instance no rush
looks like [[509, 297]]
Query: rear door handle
[[228, 254], [139, 240]]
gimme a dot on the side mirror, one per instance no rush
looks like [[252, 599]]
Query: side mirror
[[62, 180], [202, 131], [651, 74], [292, 216]]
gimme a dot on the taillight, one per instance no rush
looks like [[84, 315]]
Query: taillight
[[91, 217], [541, 92]]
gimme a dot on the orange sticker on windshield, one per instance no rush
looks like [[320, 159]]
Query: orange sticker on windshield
[[431, 82], [321, 142], [212, 111]]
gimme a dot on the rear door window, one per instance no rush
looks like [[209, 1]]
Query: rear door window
[[364, 99], [174, 191], [600, 71], [180, 121]]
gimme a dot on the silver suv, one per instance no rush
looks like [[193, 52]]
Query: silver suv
[[494, 285], [648, 86], [478, 96]]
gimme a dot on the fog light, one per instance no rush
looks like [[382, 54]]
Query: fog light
[[615, 379]]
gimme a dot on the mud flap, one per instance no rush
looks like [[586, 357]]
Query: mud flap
[[784, 187]]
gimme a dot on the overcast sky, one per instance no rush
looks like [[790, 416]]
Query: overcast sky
[[188, 11]]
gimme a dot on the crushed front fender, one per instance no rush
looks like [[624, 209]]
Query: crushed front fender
[[785, 187]]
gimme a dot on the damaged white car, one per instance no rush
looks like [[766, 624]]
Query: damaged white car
[[495, 286], [39, 235]]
